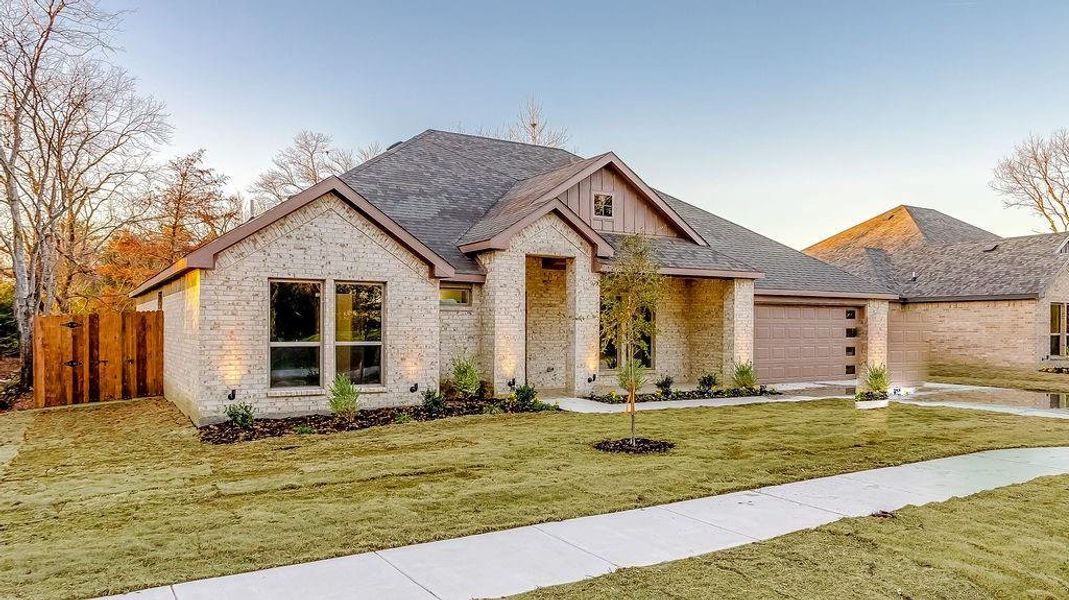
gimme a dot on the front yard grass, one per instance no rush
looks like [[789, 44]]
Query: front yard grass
[[1001, 377], [1005, 543], [121, 496]]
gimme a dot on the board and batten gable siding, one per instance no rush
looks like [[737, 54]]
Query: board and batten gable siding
[[181, 335], [326, 241], [632, 213]]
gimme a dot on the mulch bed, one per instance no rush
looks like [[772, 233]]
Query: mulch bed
[[228, 433], [691, 395], [1058, 370], [641, 446], [869, 396]]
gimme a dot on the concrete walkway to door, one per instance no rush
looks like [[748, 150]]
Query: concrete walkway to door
[[517, 560]]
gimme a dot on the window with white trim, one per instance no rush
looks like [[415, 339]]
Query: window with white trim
[[296, 342], [358, 332], [603, 205]]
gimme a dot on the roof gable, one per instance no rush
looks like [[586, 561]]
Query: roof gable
[[532, 194], [204, 257]]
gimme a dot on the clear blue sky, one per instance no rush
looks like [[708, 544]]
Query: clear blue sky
[[793, 118]]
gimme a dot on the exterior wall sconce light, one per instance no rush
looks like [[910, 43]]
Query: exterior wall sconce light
[[593, 377], [414, 388], [233, 394], [512, 382]]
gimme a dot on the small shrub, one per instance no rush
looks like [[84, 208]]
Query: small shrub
[[492, 409], [402, 418], [707, 382], [433, 402], [664, 385], [632, 375], [304, 429], [743, 375], [525, 397], [241, 414], [539, 406], [344, 398], [614, 397], [877, 379], [465, 376]]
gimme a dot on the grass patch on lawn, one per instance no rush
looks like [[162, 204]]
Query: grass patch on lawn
[[1001, 377], [1006, 543], [122, 496]]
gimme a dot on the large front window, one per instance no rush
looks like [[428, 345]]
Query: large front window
[[296, 343], [1057, 329], [358, 332], [610, 354]]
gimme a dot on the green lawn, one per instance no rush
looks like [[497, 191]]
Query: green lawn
[[1006, 543], [122, 496], [1002, 377]]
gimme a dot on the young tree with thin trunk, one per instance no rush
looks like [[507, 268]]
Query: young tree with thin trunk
[[1036, 177], [311, 158], [630, 293]]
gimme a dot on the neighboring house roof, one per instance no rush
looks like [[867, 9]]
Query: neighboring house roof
[[924, 254], [785, 269], [449, 195]]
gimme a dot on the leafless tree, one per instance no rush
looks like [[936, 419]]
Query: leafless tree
[[1036, 177], [311, 158], [74, 138], [532, 127]]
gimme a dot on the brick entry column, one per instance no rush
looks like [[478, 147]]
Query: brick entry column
[[504, 319], [738, 324], [584, 306], [875, 333]]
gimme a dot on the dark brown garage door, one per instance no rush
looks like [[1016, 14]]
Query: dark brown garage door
[[805, 343], [907, 346]]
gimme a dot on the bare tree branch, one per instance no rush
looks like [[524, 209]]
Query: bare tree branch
[[1036, 177]]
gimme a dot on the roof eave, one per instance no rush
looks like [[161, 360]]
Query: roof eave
[[204, 257], [827, 294], [502, 240]]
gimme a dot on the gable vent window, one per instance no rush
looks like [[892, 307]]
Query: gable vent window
[[603, 205], [1064, 249]]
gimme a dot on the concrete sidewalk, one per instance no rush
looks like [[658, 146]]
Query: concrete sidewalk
[[517, 560]]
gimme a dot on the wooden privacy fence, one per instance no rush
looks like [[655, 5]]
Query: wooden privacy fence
[[89, 358]]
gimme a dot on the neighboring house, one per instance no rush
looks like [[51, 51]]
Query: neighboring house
[[451, 245], [966, 294]]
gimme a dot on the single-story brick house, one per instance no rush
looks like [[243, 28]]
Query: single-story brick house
[[449, 245], [966, 295]]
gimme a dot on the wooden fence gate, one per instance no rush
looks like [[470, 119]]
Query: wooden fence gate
[[89, 358]]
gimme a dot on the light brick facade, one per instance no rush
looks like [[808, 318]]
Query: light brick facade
[[228, 312], [535, 318]]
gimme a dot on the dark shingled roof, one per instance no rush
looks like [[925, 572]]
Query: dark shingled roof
[[437, 185], [446, 188], [924, 254], [785, 268], [683, 254], [522, 198]]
